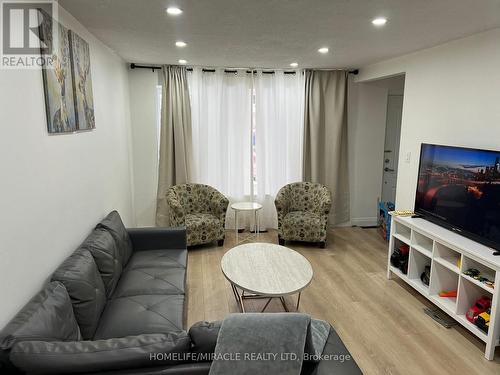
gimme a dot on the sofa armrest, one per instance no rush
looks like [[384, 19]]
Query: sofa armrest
[[218, 205], [57, 357], [157, 238], [336, 359], [204, 336], [281, 204], [326, 204]]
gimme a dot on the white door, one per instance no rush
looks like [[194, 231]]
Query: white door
[[391, 147]]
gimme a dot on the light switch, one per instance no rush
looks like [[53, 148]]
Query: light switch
[[408, 157]]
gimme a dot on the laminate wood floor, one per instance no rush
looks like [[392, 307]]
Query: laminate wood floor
[[381, 321]]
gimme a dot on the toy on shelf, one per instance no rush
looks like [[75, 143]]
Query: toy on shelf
[[483, 320], [481, 305], [384, 219], [472, 272], [476, 275], [448, 294], [426, 275], [399, 258]]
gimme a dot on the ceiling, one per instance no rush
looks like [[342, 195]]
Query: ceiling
[[274, 33]]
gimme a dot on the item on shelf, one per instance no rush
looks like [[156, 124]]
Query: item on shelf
[[448, 294], [481, 305], [476, 275], [459, 262], [384, 219], [399, 258], [490, 284], [402, 213], [483, 321], [472, 272], [426, 275]]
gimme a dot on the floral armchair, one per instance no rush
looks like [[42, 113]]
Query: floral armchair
[[303, 209], [201, 209]]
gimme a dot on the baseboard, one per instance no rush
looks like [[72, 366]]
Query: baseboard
[[364, 221]]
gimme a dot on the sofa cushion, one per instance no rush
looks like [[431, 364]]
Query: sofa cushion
[[151, 280], [135, 315], [158, 258], [38, 357], [114, 224], [101, 244], [48, 316], [82, 280]]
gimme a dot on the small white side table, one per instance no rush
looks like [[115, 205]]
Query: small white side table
[[248, 207]]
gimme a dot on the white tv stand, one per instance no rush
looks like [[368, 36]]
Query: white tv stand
[[449, 255]]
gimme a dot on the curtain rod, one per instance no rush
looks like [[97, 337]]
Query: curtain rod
[[155, 67]]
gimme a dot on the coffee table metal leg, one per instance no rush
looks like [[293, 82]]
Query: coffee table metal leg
[[236, 225], [257, 227], [284, 304], [298, 301], [238, 298], [267, 304]]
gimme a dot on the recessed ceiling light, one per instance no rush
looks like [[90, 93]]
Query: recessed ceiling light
[[381, 21], [174, 11], [181, 61], [323, 50], [180, 44], [294, 65]]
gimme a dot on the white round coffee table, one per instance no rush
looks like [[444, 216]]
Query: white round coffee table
[[246, 207], [264, 270]]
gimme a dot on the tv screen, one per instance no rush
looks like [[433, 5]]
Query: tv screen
[[459, 188]]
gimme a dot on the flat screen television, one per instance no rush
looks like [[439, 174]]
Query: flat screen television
[[459, 189]]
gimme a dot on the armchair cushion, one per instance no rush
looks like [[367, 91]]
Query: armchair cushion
[[203, 228], [40, 357], [303, 226]]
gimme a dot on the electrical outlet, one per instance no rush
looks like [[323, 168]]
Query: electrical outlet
[[408, 157]]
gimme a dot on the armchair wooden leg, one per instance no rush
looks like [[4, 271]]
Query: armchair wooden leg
[[281, 241], [322, 244], [220, 242]]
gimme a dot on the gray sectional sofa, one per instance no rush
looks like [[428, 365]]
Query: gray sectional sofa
[[113, 304]]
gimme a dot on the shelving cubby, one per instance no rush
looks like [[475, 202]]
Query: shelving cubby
[[443, 279], [449, 255], [416, 267]]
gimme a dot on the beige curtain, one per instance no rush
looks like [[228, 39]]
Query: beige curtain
[[175, 137], [325, 137]]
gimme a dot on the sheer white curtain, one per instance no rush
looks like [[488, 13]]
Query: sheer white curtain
[[221, 105], [246, 128], [279, 119]]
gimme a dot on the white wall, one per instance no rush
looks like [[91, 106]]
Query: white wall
[[452, 96], [54, 189], [367, 107], [143, 83]]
